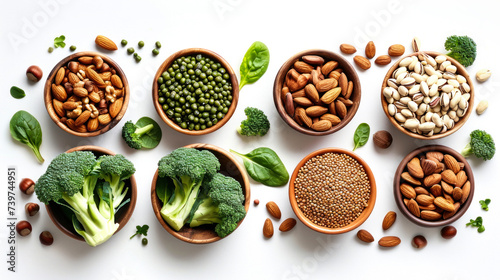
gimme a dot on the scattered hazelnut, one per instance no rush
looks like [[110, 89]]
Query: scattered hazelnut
[[46, 238], [382, 139], [448, 232], [27, 186], [23, 228], [419, 242], [256, 202], [32, 208], [34, 73]]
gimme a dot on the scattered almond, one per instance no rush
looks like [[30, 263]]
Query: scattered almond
[[273, 209], [347, 49], [105, 43], [389, 241], [396, 50], [389, 220], [365, 236], [268, 229], [370, 49], [287, 224], [362, 62], [383, 60]]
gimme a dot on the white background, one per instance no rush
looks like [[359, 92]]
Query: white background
[[229, 27]]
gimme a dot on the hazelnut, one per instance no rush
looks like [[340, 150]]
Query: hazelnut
[[256, 202], [382, 139], [46, 238], [32, 208], [419, 242], [23, 228], [448, 232], [27, 186], [34, 73], [73, 66]]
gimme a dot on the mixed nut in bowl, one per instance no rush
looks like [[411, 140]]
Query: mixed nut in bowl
[[89, 192], [229, 184], [427, 95], [332, 191], [317, 92], [86, 94], [433, 186], [195, 91]]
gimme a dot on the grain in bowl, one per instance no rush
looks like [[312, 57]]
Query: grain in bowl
[[332, 191]]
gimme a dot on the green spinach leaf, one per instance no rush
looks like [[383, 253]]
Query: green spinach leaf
[[361, 135], [254, 64], [264, 166], [26, 129], [17, 92], [59, 41], [152, 138]]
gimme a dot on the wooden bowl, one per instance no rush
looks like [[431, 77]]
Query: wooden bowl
[[64, 223], [230, 166], [364, 214], [48, 94], [194, 51], [398, 181], [460, 70], [348, 69]]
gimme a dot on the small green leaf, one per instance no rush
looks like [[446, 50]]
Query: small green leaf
[[254, 64], [59, 41], [17, 92], [485, 203], [481, 229], [141, 230], [361, 135]]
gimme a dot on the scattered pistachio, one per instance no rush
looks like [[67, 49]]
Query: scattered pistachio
[[481, 107], [483, 75]]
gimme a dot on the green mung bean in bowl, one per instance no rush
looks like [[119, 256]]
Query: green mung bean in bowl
[[332, 190], [195, 91]]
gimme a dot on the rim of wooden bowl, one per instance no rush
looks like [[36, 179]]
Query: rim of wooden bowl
[[48, 95], [203, 234], [364, 215], [347, 68], [122, 217], [397, 181], [460, 70], [234, 92]]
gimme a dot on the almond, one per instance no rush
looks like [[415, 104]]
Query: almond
[[330, 96], [383, 60], [447, 215], [465, 192], [431, 207], [326, 84], [449, 177], [273, 209], [321, 125], [73, 78], [329, 67], [432, 179], [312, 93], [316, 111], [94, 97], [420, 190], [347, 49], [365, 236], [80, 92], [347, 102], [333, 119], [268, 229], [350, 88], [436, 190], [413, 207], [437, 155], [115, 107], [59, 92], [389, 241], [299, 93], [343, 83], [444, 204], [58, 107], [93, 124], [408, 178], [94, 76], [71, 124], [70, 105], [389, 220], [341, 109], [83, 118], [302, 67], [313, 59], [414, 168], [457, 194], [300, 113], [430, 215], [104, 119], [86, 59], [428, 166], [105, 43], [451, 163], [461, 178], [97, 61], [407, 191], [106, 76], [424, 200], [303, 101], [362, 62], [446, 188], [289, 108], [287, 224], [370, 49], [59, 76], [396, 50], [334, 75]]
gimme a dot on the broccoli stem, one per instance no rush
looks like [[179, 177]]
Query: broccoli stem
[[207, 213], [467, 151], [143, 130]]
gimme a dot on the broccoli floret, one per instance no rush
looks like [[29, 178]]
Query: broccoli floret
[[187, 168], [481, 145], [115, 170], [73, 180], [256, 123], [221, 203], [146, 133], [461, 48]]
